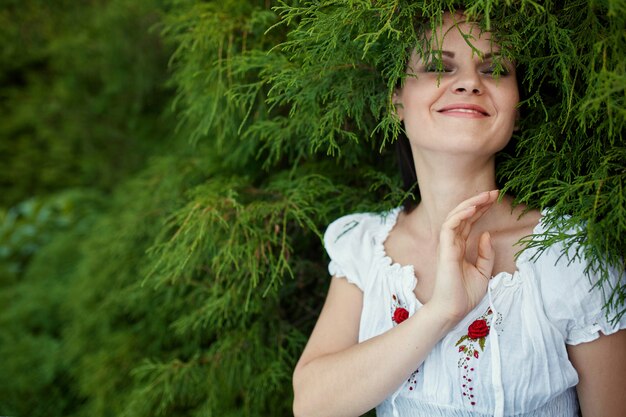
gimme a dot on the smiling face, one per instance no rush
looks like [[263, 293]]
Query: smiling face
[[452, 102]]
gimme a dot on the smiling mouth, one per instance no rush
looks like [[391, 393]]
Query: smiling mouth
[[466, 109]]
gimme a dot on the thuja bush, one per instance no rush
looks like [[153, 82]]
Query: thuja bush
[[194, 294]]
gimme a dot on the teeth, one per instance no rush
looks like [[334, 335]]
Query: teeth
[[465, 111]]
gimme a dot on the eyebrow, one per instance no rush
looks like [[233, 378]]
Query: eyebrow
[[446, 53]]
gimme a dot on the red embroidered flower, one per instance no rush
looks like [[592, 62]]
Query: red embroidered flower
[[400, 315], [471, 346], [478, 329]]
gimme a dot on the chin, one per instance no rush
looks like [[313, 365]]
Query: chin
[[464, 145]]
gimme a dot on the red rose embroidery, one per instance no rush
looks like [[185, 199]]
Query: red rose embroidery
[[478, 329], [471, 346], [400, 315]]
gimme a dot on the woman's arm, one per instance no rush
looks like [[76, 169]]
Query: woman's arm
[[337, 376], [601, 366]]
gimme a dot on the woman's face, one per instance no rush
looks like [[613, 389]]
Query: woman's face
[[463, 109]]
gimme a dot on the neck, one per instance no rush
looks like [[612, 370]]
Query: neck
[[444, 182]]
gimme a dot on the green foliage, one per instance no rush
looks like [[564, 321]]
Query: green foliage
[[82, 91], [192, 291], [25, 228], [43, 243]]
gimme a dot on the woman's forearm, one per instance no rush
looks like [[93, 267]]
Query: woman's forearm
[[354, 380]]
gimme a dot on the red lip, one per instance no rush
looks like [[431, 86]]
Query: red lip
[[463, 106]]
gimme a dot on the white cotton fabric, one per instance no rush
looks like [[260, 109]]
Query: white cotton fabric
[[522, 368]]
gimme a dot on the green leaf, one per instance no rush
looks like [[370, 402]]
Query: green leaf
[[461, 340], [481, 343]]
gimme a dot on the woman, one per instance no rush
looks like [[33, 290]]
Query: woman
[[429, 313]]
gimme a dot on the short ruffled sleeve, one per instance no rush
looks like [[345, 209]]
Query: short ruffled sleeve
[[349, 242], [571, 301]]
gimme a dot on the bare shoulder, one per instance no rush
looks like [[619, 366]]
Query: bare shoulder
[[519, 221], [526, 219]]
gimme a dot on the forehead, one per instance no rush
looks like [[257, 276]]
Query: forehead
[[455, 28]]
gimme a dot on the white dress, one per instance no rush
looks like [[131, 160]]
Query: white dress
[[507, 357]]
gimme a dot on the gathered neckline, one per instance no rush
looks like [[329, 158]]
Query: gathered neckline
[[408, 270]]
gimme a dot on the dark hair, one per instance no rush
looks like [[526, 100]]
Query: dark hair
[[407, 172]]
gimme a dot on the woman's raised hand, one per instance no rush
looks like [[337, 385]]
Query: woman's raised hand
[[461, 284]]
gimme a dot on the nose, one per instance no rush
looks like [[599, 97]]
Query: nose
[[474, 90], [468, 82]]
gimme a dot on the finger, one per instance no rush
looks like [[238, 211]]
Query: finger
[[463, 216], [486, 197], [486, 255], [454, 225], [456, 220], [480, 211], [465, 204], [492, 197]]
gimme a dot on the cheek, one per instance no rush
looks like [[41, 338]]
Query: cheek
[[416, 101], [508, 103], [510, 94]]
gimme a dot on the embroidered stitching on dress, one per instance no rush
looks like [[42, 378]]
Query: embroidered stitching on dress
[[347, 228], [399, 313], [413, 380], [471, 345]]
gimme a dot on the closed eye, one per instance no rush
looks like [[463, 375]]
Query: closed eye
[[493, 69], [437, 66]]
